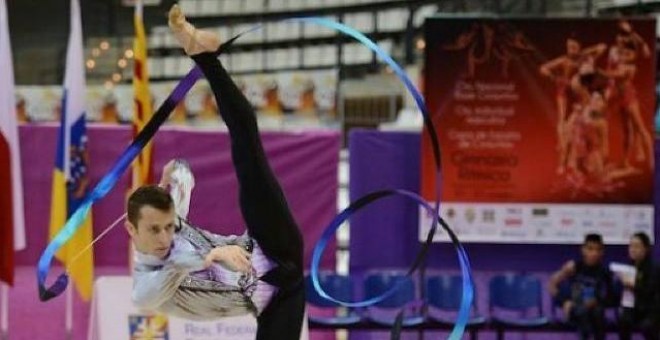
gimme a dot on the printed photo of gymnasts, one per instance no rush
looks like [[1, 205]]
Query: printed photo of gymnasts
[[596, 95]]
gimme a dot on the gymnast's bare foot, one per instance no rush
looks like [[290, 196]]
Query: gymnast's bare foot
[[192, 40]]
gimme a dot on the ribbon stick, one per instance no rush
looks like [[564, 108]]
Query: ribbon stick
[[105, 185], [109, 180]]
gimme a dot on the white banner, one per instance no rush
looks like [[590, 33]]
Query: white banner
[[114, 317], [540, 223]]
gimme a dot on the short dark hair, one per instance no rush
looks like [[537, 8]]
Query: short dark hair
[[593, 238], [644, 238], [151, 195]]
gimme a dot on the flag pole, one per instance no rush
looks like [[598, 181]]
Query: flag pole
[[68, 321], [91, 326], [4, 311]]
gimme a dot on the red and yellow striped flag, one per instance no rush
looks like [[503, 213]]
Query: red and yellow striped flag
[[142, 110]]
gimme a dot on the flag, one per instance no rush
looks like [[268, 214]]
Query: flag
[[12, 228], [70, 181], [142, 110]]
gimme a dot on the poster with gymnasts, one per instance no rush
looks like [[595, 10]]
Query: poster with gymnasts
[[545, 126]]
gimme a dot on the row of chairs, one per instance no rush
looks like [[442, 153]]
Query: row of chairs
[[515, 303]]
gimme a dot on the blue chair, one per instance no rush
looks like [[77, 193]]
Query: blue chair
[[337, 286], [444, 292], [516, 293], [377, 283]]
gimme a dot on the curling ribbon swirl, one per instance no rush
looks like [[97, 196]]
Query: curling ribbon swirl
[[111, 178]]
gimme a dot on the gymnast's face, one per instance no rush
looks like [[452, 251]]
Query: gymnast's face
[[154, 231], [573, 48]]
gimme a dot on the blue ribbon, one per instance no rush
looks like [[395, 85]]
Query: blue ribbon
[[120, 166]]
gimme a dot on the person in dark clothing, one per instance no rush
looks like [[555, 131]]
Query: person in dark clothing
[[645, 312], [590, 290]]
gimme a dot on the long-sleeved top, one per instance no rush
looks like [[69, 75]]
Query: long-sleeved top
[[647, 287], [180, 285], [591, 282]]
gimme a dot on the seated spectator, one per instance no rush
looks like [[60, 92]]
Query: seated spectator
[[180, 114], [109, 110], [22, 115], [590, 288], [273, 105], [645, 311], [307, 106]]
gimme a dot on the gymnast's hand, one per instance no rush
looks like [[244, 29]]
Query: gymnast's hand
[[232, 257]]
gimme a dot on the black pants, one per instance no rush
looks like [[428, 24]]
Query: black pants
[[263, 205], [646, 323], [589, 322]]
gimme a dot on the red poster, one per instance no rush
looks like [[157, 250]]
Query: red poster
[[545, 127]]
